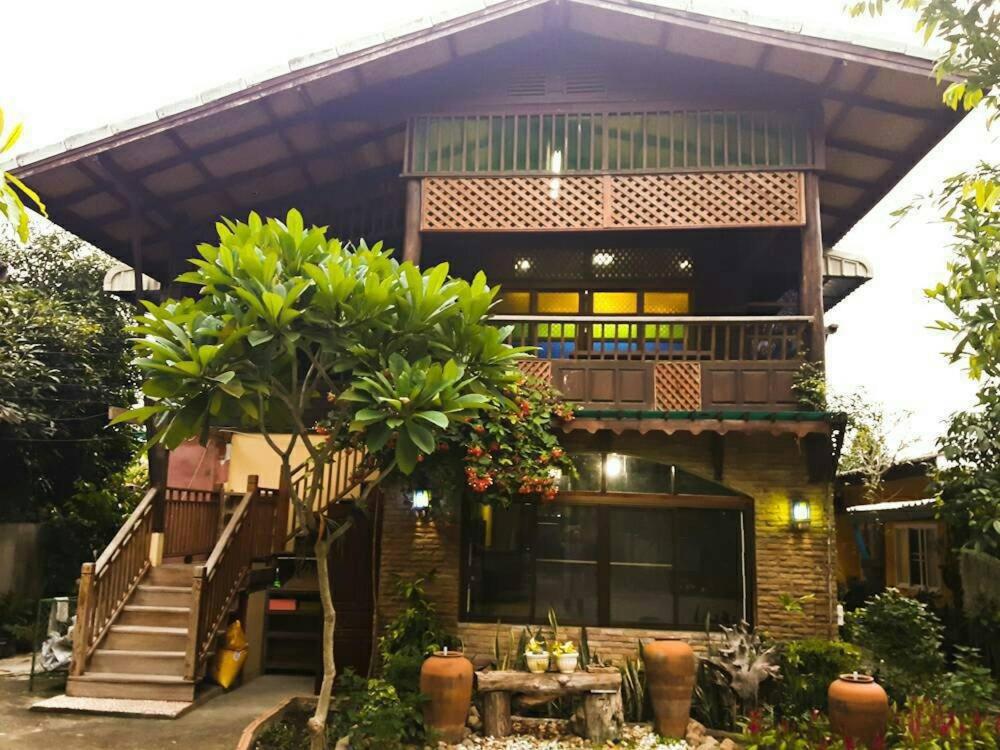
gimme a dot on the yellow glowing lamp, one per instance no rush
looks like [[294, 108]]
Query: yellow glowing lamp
[[801, 514]]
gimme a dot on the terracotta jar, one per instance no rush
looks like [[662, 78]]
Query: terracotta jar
[[859, 707], [446, 680], [670, 675]]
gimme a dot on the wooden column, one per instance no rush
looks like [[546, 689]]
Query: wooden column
[[411, 230], [135, 241], [811, 289], [159, 459]]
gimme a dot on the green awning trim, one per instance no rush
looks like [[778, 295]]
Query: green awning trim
[[746, 416]]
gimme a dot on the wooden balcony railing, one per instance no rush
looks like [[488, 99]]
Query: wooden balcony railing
[[339, 478], [526, 143], [190, 521], [106, 585], [660, 338]]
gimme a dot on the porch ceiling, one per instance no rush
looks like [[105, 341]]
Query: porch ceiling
[[290, 136]]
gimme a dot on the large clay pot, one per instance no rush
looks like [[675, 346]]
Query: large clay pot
[[446, 680], [670, 674], [859, 707]]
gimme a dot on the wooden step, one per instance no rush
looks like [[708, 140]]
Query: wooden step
[[137, 662], [145, 638], [135, 686], [154, 616], [170, 575], [161, 596]]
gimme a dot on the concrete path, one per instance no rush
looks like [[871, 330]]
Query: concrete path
[[215, 725]]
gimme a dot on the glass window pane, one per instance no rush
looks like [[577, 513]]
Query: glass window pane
[[566, 563], [616, 303], [588, 469], [641, 567], [513, 303], [499, 573], [709, 566], [565, 303], [666, 303], [631, 474]]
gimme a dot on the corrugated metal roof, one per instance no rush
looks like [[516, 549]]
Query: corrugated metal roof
[[804, 28]]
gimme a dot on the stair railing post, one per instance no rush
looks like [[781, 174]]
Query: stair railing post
[[84, 614], [194, 623]]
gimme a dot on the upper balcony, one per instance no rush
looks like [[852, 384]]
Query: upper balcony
[[601, 170], [667, 363]]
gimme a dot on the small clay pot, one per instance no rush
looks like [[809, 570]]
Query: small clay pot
[[670, 674], [537, 663], [859, 707], [566, 663], [446, 680]]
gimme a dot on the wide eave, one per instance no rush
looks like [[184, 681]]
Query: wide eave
[[283, 138]]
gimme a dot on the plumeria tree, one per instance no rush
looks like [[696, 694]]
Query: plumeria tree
[[289, 324], [12, 208]]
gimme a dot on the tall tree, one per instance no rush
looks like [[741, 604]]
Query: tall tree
[[12, 208], [968, 202], [288, 320], [64, 358]]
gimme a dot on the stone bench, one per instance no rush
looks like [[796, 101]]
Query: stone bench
[[599, 721]]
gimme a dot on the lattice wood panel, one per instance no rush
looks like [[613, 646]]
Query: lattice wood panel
[[511, 203], [647, 201], [537, 368], [708, 199], [677, 386]]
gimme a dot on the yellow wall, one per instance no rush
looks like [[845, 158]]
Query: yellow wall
[[250, 454]]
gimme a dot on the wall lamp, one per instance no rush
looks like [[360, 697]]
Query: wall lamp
[[420, 501], [801, 514]]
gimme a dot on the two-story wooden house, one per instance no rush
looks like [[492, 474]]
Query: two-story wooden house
[[657, 191]]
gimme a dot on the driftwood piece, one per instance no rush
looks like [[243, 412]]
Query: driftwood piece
[[548, 682], [603, 716], [496, 714], [599, 718]]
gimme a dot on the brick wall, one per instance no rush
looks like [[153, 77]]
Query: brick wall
[[769, 469]]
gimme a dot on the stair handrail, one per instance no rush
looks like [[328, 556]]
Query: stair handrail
[[216, 583], [106, 585]]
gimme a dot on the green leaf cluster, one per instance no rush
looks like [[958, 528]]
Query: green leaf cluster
[[285, 316], [12, 207]]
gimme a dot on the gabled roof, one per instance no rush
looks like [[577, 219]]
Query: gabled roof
[[293, 133]]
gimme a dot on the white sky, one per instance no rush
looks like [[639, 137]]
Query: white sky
[[72, 66]]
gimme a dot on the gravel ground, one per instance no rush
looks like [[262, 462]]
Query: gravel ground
[[553, 734]]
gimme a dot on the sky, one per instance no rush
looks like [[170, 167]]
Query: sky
[[108, 60]]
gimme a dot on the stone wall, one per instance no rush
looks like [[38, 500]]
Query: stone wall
[[769, 469]]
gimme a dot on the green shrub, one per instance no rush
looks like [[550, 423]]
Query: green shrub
[[901, 640], [285, 735], [374, 714], [411, 636], [969, 686], [807, 669]]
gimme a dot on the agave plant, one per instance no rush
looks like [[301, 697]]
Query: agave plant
[[743, 663]]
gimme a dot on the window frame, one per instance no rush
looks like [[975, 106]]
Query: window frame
[[901, 553], [604, 502]]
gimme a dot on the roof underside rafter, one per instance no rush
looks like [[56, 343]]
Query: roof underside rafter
[[305, 134]]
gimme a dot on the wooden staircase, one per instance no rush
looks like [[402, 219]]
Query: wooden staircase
[[146, 631], [142, 654]]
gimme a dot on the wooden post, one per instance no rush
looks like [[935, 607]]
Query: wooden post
[[194, 616], [158, 462], [496, 713], [411, 230], [135, 241], [602, 716], [219, 494], [811, 290], [81, 631], [281, 513]]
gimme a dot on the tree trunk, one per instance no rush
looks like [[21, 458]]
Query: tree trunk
[[317, 724]]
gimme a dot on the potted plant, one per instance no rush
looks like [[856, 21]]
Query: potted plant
[[536, 657], [566, 656]]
